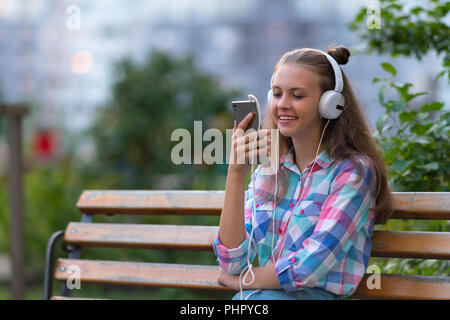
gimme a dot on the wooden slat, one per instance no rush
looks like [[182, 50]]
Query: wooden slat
[[399, 244], [140, 236], [411, 244], [204, 277], [72, 298], [142, 274], [421, 205], [408, 205], [185, 202], [393, 286]]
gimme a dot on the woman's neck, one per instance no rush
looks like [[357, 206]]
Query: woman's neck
[[305, 149]]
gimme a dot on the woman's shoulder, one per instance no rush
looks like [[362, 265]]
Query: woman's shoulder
[[357, 164]]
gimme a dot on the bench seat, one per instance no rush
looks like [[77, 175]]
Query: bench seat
[[78, 235]]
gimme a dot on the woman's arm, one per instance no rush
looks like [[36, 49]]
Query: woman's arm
[[232, 222], [265, 278], [231, 228]]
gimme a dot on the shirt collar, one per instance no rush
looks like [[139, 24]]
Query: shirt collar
[[323, 160]]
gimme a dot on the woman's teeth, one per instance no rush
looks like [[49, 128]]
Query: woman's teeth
[[288, 118]]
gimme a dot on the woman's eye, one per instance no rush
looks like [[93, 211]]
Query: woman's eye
[[276, 94], [297, 97]]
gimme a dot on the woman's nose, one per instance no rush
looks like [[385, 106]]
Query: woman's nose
[[282, 102]]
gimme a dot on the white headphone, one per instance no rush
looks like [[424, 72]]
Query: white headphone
[[331, 103]]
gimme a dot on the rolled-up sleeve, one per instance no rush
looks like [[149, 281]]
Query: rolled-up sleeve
[[343, 214], [234, 260]]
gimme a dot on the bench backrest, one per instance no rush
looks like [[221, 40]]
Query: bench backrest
[[401, 244]]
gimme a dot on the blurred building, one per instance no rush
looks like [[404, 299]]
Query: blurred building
[[67, 70]]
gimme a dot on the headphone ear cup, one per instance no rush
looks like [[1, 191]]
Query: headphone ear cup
[[331, 104]]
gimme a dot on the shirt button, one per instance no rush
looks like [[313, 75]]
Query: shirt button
[[293, 260], [291, 204], [301, 211], [257, 205], [299, 179]]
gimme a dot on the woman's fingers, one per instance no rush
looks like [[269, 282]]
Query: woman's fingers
[[246, 121], [258, 141], [245, 154], [239, 136]]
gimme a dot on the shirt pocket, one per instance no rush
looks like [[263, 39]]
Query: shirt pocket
[[310, 208], [306, 222], [261, 220]]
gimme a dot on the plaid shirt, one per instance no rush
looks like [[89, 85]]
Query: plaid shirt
[[325, 238]]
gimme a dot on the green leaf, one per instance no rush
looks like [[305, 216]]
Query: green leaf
[[382, 91], [387, 145], [379, 124], [422, 140], [435, 106], [401, 165], [416, 10], [389, 68], [398, 106], [431, 166], [407, 116]]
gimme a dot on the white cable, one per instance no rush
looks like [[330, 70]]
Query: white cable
[[249, 265], [300, 198], [275, 197]]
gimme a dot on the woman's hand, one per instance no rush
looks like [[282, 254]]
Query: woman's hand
[[228, 280], [265, 278], [244, 147]]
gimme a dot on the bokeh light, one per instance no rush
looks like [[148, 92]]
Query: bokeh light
[[82, 62]]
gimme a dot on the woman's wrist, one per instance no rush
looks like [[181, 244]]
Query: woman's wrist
[[237, 171], [265, 278]]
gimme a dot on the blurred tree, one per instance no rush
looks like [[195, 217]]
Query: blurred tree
[[414, 138], [133, 131], [407, 30]]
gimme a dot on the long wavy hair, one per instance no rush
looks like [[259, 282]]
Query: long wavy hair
[[345, 137]]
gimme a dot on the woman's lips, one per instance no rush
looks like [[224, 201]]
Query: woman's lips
[[287, 119]]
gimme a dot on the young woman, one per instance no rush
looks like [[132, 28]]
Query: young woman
[[310, 224]]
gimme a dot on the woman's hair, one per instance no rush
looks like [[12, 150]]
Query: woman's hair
[[347, 136]]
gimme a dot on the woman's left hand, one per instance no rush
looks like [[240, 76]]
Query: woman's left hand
[[228, 280]]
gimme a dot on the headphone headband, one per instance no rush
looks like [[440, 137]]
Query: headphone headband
[[339, 81]]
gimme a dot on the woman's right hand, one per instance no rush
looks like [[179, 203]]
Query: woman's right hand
[[244, 147]]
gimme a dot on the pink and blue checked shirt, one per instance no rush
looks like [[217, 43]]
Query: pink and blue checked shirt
[[326, 236]]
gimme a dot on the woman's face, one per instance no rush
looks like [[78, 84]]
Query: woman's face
[[295, 100]]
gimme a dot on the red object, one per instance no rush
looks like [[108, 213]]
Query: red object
[[291, 204], [301, 211], [299, 179], [293, 260], [44, 144], [257, 205]]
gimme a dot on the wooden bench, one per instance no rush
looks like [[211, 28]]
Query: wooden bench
[[78, 235]]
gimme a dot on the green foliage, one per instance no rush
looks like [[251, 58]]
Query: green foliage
[[415, 140], [150, 100], [50, 197], [409, 31]]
